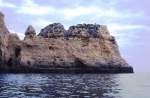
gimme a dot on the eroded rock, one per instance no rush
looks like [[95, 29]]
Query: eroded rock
[[8, 44], [3, 28], [52, 30], [85, 30], [88, 48], [30, 32]]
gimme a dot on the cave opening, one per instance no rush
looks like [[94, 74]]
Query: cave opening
[[10, 62], [17, 51], [0, 56], [79, 63]]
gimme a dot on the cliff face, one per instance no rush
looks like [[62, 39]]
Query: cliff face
[[9, 44], [81, 47]]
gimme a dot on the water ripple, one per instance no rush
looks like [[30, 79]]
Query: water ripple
[[69, 86]]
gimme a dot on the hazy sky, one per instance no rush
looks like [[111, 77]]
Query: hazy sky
[[127, 20]]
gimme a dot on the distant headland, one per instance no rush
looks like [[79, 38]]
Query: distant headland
[[83, 48]]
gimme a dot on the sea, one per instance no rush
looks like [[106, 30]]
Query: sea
[[135, 85]]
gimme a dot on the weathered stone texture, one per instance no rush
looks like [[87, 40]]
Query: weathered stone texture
[[81, 46]]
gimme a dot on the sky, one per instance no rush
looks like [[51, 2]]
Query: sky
[[127, 20]]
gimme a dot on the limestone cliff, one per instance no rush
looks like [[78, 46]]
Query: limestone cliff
[[9, 45], [81, 48]]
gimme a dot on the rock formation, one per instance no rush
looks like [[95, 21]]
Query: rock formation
[[3, 28], [82, 48], [9, 44], [30, 32], [85, 30], [53, 30]]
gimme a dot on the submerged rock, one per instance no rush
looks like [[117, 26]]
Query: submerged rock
[[89, 48]]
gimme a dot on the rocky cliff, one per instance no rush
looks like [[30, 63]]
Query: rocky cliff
[[82, 48]]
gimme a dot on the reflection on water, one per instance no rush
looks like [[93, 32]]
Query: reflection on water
[[73, 86]]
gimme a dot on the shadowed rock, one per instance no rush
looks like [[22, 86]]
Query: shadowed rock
[[85, 30], [52, 30]]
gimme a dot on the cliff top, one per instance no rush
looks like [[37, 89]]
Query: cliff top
[[79, 30], [57, 30]]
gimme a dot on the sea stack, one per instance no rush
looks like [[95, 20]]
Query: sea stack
[[30, 32], [3, 28], [83, 48]]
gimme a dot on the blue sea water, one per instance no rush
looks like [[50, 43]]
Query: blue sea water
[[75, 85]]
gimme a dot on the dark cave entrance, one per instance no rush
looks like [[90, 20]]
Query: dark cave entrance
[[10, 62], [79, 63], [0, 56], [17, 52]]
